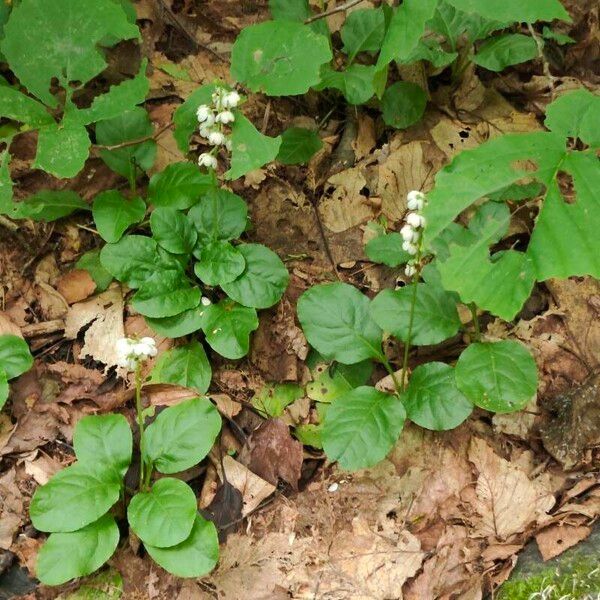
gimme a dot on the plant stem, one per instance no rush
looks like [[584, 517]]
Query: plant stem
[[411, 318], [473, 310], [388, 367], [140, 418]]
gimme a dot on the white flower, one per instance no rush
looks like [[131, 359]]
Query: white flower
[[131, 352], [409, 234], [231, 100], [415, 220], [203, 113], [216, 138], [207, 160], [225, 117], [410, 270], [210, 121], [228, 145], [205, 131], [410, 248], [415, 200], [205, 301]]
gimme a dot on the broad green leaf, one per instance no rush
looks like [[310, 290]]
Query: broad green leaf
[[263, 281], [166, 295], [135, 260], [68, 49], [74, 498], [178, 325], [19, 107], [331, 381], [15, 357], [560, 38], [565, 240], [279, 58], [104, 440], [431, 51], [105, 585], [182, 435], [309, 435], [355, 82], [499, 376], [220, 263], [490, 223], [297, 10], [517, 192], [165, 515], [403, 104], [119, 98], [179, 185], [363, 30], [387, 249], [173, 230], [406, 28], [114, 214], [3, 388], [298, 145], [250, 148], [90, 261], [184, 117], [130, 160], [66, 556], [195, 556], [186, 365], [7, 205], [273, 398], [227, 327], [435, 315], [504, 50], [361, 427], [514, 10], [336, 320], [432, 399], [50, 205], [220, 215], [576, 114]]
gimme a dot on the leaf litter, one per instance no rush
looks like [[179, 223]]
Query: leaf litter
[[445, 515]]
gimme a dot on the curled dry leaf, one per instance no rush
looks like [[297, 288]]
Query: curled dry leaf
[[76, 285]]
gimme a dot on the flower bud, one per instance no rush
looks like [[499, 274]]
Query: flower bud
[[231, 100], [415, 200], [216, 138], [415, 220], [207, 160], [225, 117], [203, 113], [410, 248]]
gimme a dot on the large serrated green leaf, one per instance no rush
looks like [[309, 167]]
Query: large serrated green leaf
[[19, 107], [576, 114]]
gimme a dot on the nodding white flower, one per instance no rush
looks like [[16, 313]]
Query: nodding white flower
[[415, 220], [205, 301], [205, 131], [210, 121], [131, 352], [203, 113], [225, 117], [410, 270], [228, 144], [216, 138], [415, 200], [231, 99], [410, 248], [207, 160], [409, 234]]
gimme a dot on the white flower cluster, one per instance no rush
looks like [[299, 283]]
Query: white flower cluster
[[131, 352], [212, 119], [413, 230]]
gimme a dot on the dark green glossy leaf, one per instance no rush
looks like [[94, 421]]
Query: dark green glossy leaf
[[173, 230], [219, 263], [298, 145], [15, 357], [185, 365], [167, 294], [178, 325], [114, 214], [179, 185]]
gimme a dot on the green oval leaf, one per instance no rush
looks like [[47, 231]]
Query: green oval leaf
[[387, 249], [193, 557], [432, 399], [62, 149], [66, 556], [164, 516], [179, 185], [187, 366], [263, 281], [227, 327], [219, 263], [498, 376], [361, 427], [173, 230], [3, 388], [403, 104], [501, 51], [104, 440], [51, 205], [178, 325], [15, 357], [435, 315], [113, 214], [363, 30], [166, 295], [298, 145], [336, 321], [182, 435], [73, 498]]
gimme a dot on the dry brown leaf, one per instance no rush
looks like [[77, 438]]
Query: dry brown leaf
[[365, 138], [554, 540], [41, 467], [507, 501], [226, 405], [76, 285], [166, 394], [8, 327], [12, 509], [52, 304]]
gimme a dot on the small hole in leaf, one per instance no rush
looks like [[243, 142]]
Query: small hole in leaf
[[566, 186]]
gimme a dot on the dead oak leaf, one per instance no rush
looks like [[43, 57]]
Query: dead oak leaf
[[76, 285], [554, 540]]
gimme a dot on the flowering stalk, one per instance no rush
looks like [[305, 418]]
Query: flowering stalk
[[132, 354]]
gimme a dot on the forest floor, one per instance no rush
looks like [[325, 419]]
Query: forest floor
[[446, 514]]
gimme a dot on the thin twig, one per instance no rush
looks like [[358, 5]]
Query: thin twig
[[332, 11], [545, 64], [141, 140]]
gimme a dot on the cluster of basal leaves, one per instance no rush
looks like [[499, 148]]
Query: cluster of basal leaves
[[15, 359], [294, 53], [79, 504], [474, 262]]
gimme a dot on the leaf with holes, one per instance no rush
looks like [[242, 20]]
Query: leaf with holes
[[17, 106]]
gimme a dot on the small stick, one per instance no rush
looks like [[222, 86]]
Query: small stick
[[332, 11]]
